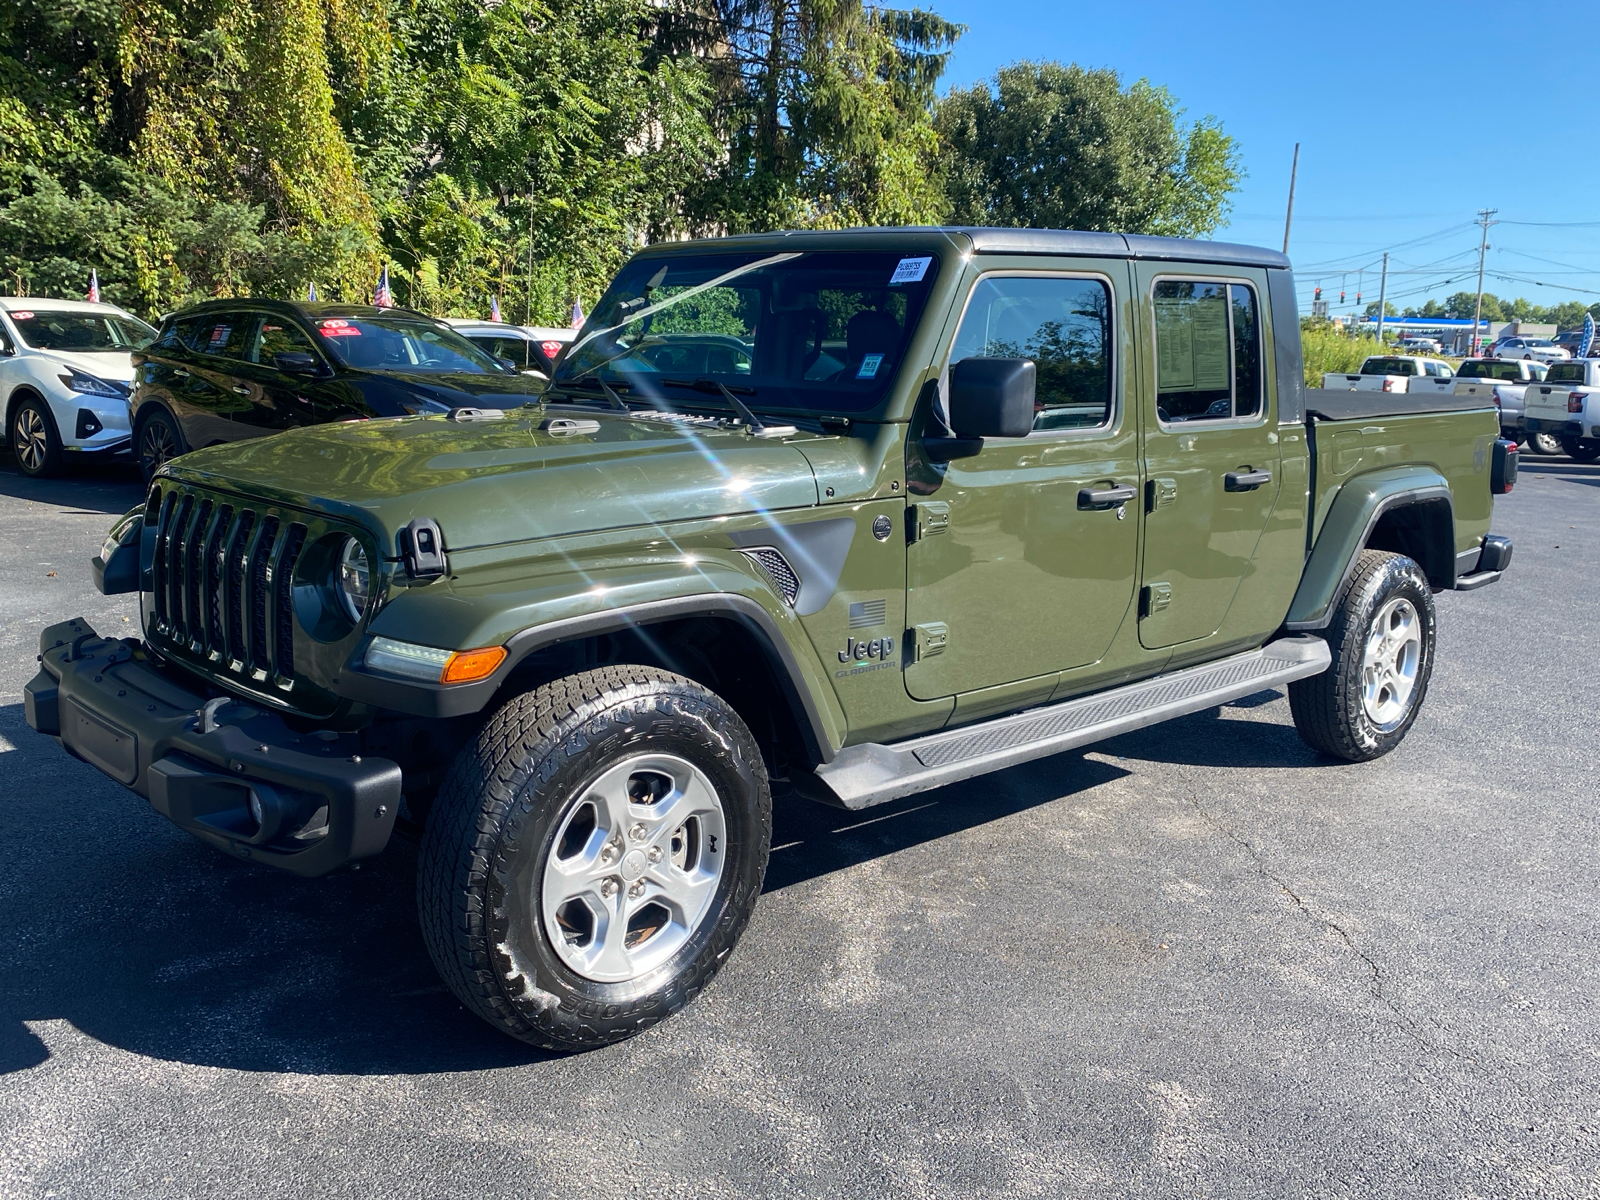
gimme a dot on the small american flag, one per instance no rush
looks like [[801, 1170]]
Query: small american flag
[[94, 287], [494, 309], [577, 314], [311, 293], [382, 297]]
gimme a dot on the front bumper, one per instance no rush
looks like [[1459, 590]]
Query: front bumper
[[232, 774]]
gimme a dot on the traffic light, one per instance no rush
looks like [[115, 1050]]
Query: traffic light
[[1317, 295]]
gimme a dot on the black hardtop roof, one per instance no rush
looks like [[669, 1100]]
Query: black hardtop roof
[[979, 239]]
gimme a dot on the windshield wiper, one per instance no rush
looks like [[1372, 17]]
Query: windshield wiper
[[615, 400], [757, 427]]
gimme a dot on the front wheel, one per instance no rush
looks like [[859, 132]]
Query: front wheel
[[1584, 450], [159, 440], [1544, 443], [593, 857], [1382, 640], [34, 439]]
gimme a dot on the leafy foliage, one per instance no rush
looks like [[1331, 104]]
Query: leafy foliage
[[1064, 147]]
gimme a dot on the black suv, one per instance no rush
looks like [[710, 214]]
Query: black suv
[[233, 369]]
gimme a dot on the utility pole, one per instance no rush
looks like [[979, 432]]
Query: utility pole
[[527, 307], [1484, 215], [1288, 217], [1383, 292]]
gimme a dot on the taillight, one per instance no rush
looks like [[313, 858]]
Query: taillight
[[1388, 385], [1575, 402], [1497, 403]]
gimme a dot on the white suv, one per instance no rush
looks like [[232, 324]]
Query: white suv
[[65, 367]]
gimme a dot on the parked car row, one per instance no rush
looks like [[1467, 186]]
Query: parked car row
[[82, 379]]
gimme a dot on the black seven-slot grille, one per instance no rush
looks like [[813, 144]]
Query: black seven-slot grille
[[222, 582]]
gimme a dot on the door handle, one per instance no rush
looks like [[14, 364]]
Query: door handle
[[1110, 497], [1245, 481], [241, 389]]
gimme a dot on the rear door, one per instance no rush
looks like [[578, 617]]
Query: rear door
[[1210, 447], [1012, 573]]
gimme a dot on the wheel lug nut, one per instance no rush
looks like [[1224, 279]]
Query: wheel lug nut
[[636, 889], [637, 832], [608, 888], [655, 854]]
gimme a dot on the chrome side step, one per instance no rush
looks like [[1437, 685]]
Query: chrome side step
[[861, 776]]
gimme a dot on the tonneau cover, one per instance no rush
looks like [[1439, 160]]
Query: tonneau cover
[[1338, 405]]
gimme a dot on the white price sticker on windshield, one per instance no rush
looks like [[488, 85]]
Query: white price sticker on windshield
[[910, 270]]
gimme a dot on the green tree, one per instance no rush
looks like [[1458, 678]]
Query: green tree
[[1389, 309], [1070, 148], [1461, 305]]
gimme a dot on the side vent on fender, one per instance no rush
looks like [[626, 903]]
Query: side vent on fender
[[777, 570]]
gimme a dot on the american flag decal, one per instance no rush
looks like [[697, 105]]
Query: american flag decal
[[868, 613]]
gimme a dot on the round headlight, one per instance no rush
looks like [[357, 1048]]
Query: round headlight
[[355, 585]]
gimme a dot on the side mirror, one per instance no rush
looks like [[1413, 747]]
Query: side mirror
[[297, 362], [992, 397]]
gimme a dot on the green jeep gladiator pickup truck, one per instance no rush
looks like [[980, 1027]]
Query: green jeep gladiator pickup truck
[[861, 512]]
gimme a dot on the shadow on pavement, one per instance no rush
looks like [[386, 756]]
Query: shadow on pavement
[[99, 488], [145, 939]]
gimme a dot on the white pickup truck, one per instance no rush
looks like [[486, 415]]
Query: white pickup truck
[[1567, 405], [1503, 382], [1395, 373]]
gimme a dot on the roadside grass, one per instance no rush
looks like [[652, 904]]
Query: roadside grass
[[1327, 349]]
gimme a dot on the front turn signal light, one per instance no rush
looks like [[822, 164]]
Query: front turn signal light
[[469, 666]]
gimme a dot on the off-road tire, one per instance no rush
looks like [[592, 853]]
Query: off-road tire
[[491, 829], [152, 429], [1328, 709], [35, 442], [1584, 450], [1544, 443]]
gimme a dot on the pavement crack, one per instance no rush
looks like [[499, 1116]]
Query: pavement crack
[[1407, 1024]]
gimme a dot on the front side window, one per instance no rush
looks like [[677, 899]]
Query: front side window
[[82, 332], [1063, 325], [1208, 351], [403, 344], [280, 336], [824, 331]]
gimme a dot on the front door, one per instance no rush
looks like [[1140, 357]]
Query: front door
[[1211, 449], [1016, 570], [278, 400]]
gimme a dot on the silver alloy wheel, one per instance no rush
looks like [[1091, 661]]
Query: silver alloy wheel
[[1390, 662], [31, 439], [156, 445], [633, 867]]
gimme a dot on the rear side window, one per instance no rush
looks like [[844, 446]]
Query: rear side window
[[222, 335], [1208, 351], [1063, 325]]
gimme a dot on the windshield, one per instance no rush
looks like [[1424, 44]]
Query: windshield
[[824, 331], [403, 344], [82, 332]]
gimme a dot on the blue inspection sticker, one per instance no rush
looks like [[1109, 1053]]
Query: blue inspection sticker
[[869, 366]]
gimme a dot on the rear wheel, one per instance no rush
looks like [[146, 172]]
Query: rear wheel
[[159, 441], [34, 439], [1584, 450], [1382, 638], [1544, 443], [593, 858]]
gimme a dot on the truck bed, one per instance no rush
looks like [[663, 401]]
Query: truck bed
[[1331, 405]]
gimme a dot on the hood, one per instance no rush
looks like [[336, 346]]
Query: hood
[[468, 390], [115, 365], [494, 482]]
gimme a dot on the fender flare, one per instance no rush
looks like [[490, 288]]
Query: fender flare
[[437, 700], [1353, 515]]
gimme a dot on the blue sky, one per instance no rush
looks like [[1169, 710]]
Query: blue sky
[[1410, 120]]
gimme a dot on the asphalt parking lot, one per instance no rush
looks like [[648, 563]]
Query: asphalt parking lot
[[1191, 961]]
